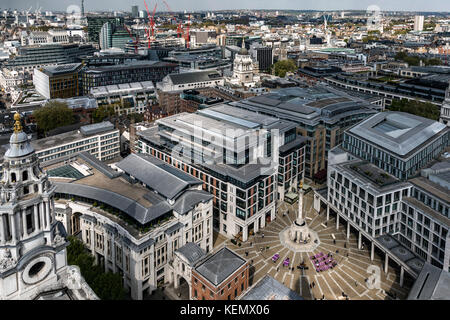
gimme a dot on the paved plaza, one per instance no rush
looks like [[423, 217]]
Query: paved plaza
[[348, 277]]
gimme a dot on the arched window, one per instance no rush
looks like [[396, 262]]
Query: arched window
[[13, 177], [25, 176]]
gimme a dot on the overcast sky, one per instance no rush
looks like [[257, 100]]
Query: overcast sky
[[180, 5]]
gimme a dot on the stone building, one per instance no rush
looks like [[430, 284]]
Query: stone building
[[133, 218], [33, 261]]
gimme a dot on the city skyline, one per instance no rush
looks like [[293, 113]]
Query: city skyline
[[181, 5]]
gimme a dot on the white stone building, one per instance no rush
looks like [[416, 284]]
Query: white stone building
[[134, 219], [33, 261]]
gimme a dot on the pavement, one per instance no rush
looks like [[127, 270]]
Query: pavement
[[346, 280]]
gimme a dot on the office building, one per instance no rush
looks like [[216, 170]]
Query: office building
[[62, 81], [32, 57], [126, 98], [135, 11], [321, 114], [398, 143], [101, 140], [418, 23], [263, 55], [172, 86], [395, 192], [135, 217], [236, 156], [445, 109], [140, 71], [95, 24], [113, 36]]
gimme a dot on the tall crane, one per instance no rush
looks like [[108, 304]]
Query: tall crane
[[135, 41], [187, 35], [151, 31], [179, 24]]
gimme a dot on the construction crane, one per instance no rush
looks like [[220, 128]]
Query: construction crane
[[151, 30], [179, 24], [187, 36], [135, 41]]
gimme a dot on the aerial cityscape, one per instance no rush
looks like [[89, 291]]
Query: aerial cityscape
[[162, 150]]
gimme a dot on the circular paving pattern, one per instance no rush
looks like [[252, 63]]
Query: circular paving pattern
[[346, 279]]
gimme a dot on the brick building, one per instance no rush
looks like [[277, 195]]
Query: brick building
[[222, 276]]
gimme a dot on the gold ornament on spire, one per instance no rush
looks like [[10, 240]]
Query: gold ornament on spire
[[17, 124]]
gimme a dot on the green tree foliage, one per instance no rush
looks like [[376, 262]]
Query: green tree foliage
[[102, 112], [108, 286], [53, 115], [284, 66], [423, 109], [415, 61]]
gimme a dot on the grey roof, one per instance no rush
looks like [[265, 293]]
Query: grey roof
[[220, 266], [61, 69], [192, 77], [192, 252], [175, 227], [401, 252], [19, 145], [270, 289], [134, 209], [99, 165], [96, 128], [188, 200], [157, 175], [398, 132], [433, 283]]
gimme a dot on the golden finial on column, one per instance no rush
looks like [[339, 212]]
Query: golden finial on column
[[17, 124]]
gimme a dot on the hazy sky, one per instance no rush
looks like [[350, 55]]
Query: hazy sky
[[179, 5]]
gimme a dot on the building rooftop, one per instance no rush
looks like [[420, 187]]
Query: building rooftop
[[192, 77], [158, 175], [131, 65], [310, 104], [61, 69], [192, 253], [88, 177], [71, 136], [398, 132], [267, 288], [432, 284], [219, 266], [121, 88]]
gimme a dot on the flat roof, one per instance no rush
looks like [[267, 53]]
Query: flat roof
[[433, 283], [71, 136], [398, 132]]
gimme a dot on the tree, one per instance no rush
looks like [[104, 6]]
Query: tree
[[422, 109], [284, 66], [107, 286], [102, 112], [53, 115]]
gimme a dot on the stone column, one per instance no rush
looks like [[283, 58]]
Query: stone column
[[36, 219], [256, 224], [348, 229], [386, 263], [113, 253], [328, 212], [402, 275], [24, 223], [2, 230], [244, 233], [13, 227], [372, 251], [263, 221], [337, 221], [359, 240]]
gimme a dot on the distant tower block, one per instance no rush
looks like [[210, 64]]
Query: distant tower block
[[82, 8]]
